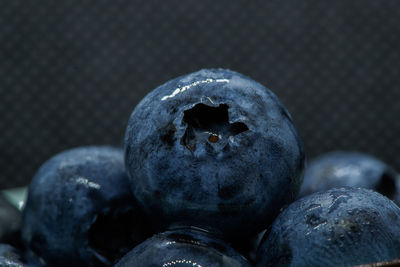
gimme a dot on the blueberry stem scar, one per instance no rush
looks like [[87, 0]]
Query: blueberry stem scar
[[214, 122]]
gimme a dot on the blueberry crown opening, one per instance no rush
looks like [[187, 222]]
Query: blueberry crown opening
[[214, 121]]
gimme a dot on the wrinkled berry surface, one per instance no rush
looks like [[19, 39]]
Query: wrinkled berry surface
[[183, 248], [355, 169], [213, 149], [339, 227], [80, 210]]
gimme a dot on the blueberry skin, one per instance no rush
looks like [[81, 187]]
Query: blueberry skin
[[183, 247], [80, 210], [339, 227], [354, 169], [10, 256], [213, 149]]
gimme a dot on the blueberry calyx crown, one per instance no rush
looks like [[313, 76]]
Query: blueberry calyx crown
[[209, 123]]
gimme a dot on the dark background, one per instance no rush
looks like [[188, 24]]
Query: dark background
[[71, 72]]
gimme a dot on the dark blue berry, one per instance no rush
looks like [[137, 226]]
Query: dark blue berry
[[213, 149], [186, 247], [80, 210], [339, 227], [355, 169]]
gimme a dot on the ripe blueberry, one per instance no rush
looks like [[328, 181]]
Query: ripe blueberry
[[338, 227], [183, 247], [80, 210], [213, 149], [340, 168]]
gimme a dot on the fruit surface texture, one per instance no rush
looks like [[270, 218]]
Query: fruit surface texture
[[339, 227], [10, 256], [183, 248], [213, 149], [80, 210]]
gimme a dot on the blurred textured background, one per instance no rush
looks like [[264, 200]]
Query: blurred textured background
[[71, 72]]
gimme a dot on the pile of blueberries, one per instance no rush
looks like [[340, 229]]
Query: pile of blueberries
[[209, 175]]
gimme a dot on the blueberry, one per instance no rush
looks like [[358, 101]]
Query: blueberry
[[340, 168], [338, 227], [10, 256], [80, 210], [213, 149], [183, 247]]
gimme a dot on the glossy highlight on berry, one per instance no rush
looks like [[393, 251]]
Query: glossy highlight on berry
[[183, 247]]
